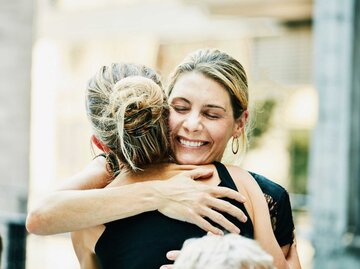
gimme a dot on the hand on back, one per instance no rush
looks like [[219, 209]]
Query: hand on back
[[186, 198]]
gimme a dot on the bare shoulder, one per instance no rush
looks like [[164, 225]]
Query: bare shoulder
[[243, 178], [240, 175]]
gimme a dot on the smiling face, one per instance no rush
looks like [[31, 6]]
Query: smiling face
[[201, 119]]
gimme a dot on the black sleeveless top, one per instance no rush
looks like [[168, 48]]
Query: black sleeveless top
[[142, 241], [278, 201]]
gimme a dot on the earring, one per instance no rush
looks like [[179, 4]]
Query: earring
[[235, 145]]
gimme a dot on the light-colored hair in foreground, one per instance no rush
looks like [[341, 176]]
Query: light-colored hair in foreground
[[223, 252], [128, 112]]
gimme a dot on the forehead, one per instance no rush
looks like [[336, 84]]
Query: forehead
[[196, 87]]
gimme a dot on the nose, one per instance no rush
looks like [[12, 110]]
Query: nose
[[193, 123]]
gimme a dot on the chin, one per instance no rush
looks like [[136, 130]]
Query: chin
[[190, 160]]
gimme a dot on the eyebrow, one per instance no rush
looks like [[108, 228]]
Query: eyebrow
[[181, 99], [215, 106], [207, 106]]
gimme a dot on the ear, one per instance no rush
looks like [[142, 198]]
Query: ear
[[99, 144], [240, 123]]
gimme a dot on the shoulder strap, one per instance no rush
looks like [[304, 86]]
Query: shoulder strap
[[224, 175]]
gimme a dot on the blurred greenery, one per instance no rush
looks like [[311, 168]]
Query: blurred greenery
[[298, 145], [299, 150], [264, 112]]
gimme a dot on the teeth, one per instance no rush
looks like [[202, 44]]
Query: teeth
[[191, 143]]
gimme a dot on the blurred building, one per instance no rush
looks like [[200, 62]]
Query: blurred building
[[335, 149], [273, 39], [16, 35]]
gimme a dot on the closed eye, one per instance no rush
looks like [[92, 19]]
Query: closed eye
[[212, 116], [180, 108]]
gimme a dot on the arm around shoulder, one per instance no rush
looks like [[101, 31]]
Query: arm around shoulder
[[71, 210], [41, 216]]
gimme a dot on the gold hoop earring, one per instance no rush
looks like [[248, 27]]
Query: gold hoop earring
[[235, 145]]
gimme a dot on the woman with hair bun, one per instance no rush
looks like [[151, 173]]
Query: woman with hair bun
[[129, 119], [208, 100], [68, 208]]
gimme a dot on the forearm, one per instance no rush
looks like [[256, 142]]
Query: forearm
[[65, 211]]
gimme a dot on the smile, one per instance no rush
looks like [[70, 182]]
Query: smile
[[192, 144]]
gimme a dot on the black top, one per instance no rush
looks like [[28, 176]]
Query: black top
[[142, 241], [279, 205]]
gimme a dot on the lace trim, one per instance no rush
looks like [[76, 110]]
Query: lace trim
[[272, 210]]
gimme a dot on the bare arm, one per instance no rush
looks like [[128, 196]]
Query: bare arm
[[180, 198], [262, 227], [264, 232], [292, 256], [86, 257], [71, 210]]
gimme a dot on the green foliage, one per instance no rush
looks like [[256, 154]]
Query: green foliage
[[299, 151], [264, 114]]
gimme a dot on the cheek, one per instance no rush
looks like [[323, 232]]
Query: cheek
[[221, 134], [172, 121]]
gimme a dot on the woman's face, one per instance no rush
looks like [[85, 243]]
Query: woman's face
[[201, 119]]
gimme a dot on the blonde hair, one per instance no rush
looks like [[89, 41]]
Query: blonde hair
[[231, 251], [128, 112], [223, 69]]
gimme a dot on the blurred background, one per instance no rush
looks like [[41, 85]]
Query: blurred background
[[302, 59]]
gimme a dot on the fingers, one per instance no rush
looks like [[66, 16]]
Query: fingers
[[224, 206], [200, 173], [221, 220], [172, 255], [229, 193], [205, 225]]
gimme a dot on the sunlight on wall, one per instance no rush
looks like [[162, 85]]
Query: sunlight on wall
[[43, 99], [53, 252], [301, 109]]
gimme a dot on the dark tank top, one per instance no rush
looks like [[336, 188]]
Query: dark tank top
[[142, 241]]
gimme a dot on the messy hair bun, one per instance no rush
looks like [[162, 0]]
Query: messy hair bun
[[129, 116]]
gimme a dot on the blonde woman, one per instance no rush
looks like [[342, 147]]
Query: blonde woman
[[129, 118], [208, 100]]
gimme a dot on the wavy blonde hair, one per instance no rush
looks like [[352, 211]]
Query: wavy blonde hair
[[128, 111]]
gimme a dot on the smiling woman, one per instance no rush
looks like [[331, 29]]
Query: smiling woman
[[202, 119], [158, 206]]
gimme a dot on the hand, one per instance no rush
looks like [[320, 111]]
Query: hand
[[186, 199]]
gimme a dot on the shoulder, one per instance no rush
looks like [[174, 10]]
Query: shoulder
[[269, 187], [239, 174], [237, 171], [243, 178]]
